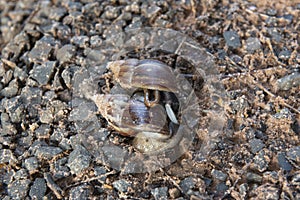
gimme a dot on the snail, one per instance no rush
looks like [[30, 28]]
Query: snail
[[146, 113], [149, 75]]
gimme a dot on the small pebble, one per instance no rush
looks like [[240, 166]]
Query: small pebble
[[284, 113], [252, 44], [243, 188], [160, 193], [31, 164], [42, 49], [11, 90], [294, 154], [221, 188], [43, 73], [289, 81], [38, 189], [80, 192], [253, 177], [217, 174], [261, 161], [256, 145], [187, 184], [283, 162], [232, 39], [100, 171], [150, 11], [275, 34], [7, 156], [80, 41], [285, 54], [18, 189], [47, 152], [79, 159], [174, 193], [66, 53], [43, 131], [296, 179], [121, 185], [111, 12]]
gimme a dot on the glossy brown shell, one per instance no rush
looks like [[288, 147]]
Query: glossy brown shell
[[146, 74], [131, 116]]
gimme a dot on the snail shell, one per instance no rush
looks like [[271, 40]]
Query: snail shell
[[145, 74], [129, 116]]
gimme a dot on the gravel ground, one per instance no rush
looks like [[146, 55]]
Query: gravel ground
[[47, 131]]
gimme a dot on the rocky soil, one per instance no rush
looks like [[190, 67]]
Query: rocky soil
[[49, 47]]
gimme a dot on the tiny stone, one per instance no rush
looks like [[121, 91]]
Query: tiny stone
[[80, 192], [187, 184], [8, 177], [43, 131], [160, 193], [21, 174], [79, 159], [42, 49], [47, 152], [18, 189], [11, 90], [283, 162], [15, 109], [288, 17], [284, 113], [6, 156], [271, 12], [275, 34], [127, 16], [151, 11], [221, 188], [253, 177], [94, 57], [31, 164], [20, 74], [236, 58], [294, 154], [60, 170], [285, 54], [289, 81], [243, 188], [121, 185], [43, 73], [218, 175], [111, 12], [66, 53], [232, 39], [261, 161], [46, 116], [252, 44], [256, 145], [174, 193], [65, 144], [38, 189], [81, 41], [95, 41]]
